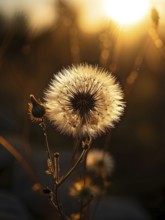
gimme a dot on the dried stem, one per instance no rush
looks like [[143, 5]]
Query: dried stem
[[76, 144], [81, 210], [47, 144], [56, 166], [56, 204], [46, 138], [72, 168], [96, 207]]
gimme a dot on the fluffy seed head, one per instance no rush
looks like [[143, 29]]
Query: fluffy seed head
[[83, 101], [100, 162]]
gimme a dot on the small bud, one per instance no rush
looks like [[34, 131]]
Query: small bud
[[36, 109], [49, 171], [47, 191], [56, 155], [86, 143]]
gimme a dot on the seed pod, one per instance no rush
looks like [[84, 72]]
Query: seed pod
[[36, 108]]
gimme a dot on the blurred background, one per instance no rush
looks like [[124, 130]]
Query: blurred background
[[39, 38]]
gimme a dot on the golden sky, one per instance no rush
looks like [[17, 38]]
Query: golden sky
[[93, 13]]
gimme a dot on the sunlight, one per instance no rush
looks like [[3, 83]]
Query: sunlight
[[126, 12]]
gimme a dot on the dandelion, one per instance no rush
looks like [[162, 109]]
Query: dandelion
[[84, 101], [84, 190], [100, 162]]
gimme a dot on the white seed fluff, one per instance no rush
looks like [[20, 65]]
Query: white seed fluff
[[100, 162], [84, 101]]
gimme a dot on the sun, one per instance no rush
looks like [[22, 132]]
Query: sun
[[126, 12]]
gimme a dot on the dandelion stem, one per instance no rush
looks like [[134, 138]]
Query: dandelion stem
[[72, 168], [96, 207], [77, 141], [56, 204], [81, 209], [56, 166], [47, 143]]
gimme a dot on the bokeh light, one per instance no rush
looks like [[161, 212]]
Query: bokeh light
[[40, 13], [126, 12]]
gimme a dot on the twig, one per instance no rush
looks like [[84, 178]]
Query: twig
[[56, 204], [56, 166], [63, 178], [46, 138]]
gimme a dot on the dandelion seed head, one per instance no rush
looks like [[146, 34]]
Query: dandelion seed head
[[83, 101], [100, 162]]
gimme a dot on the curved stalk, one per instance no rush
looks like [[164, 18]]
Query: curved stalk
[[46, 138], [51, 164], [56, 204], [63, 178]]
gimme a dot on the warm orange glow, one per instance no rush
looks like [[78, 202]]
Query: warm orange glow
[[126, 11]]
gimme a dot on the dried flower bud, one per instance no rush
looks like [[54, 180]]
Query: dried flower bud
[[86, 144], [36, 108], [47, 191], [56, 155], [49, 171]]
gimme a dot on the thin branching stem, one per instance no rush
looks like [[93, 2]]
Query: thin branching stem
[[63, 178], [56, 166], [94, 212], [43, 125], [56, 204], [81, 210], [46, 138], [75, 146]]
